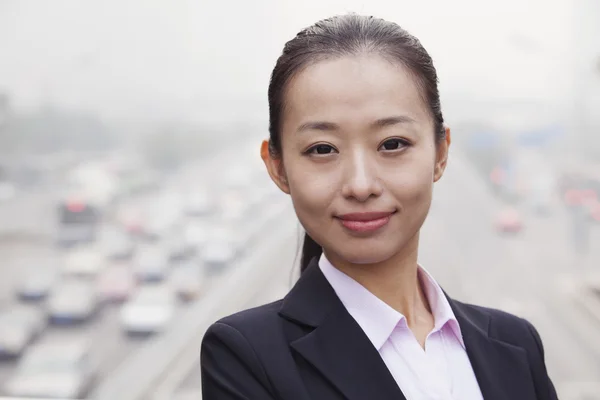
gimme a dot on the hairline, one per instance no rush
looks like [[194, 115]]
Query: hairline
[[336, 55]]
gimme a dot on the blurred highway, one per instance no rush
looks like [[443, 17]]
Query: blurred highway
[[528, 274], [36, 248]]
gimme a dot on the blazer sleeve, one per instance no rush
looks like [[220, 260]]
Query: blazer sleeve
[[230, 368], [544, 385]]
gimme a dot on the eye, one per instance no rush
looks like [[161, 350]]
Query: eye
[[394, 144], [321, 150]]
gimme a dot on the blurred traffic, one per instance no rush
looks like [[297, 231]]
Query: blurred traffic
[[122, 261]]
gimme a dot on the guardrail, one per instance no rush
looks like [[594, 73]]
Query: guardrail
[[149, 373]]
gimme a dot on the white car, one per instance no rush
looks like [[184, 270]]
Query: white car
[[218, 254], [196, 235], [198, 203], [231, 235], [84, 262], [163, 216], [19, 326], [178, 248], [149, 311], [151, 264], [53, 370], [7, 191], [118, 246], [36, 284], [72, 301], [188, 281]]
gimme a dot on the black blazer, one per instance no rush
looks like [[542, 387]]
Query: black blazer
[[307, 346]]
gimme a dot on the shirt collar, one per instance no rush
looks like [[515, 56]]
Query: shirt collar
[[377, 319]]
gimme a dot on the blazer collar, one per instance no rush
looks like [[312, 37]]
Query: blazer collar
[[337, 346], [501, 369]]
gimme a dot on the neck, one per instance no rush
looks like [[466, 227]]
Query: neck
[[394, 281]]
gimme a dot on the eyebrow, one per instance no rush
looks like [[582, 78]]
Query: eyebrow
[[330, 126], [390, 121]]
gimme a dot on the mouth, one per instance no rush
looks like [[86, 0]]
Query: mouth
[[365, 222]]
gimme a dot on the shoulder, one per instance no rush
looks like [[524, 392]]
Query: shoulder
[[519, 333], [506, 327], [233, 354], [247, 326], [262, 316]]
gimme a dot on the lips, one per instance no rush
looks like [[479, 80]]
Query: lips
[[365, 222]]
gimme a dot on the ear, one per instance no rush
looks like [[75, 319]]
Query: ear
[[441, 159], [274, 167]]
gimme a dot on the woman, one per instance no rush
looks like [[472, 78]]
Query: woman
[[357, 139]]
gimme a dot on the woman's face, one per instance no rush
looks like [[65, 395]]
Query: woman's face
[[359, 157]]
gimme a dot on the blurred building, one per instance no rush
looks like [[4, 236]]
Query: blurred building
[[4, 106], [586, 53]]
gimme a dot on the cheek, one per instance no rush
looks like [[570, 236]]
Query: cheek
[[312, 192], [412, 185]]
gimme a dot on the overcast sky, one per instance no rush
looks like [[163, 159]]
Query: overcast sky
[[193, 59]]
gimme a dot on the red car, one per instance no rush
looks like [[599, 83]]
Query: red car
[[595, 211], [509, 221], [116, 284]]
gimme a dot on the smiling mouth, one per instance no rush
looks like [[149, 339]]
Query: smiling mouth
[[367, 222]]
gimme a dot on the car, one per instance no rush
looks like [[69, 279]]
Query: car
[[236, 236], [594, 208], [63, 370], [160, 224], [36, 284], [72, 301], [151, 310], [131, 220], [78, 222], [234, 207], [188, 281], [198, 203], [83, 262], [19, 326], [178, 248], [116, 284], [509, 220], [163, 215], [117, 245], [195, 235], [218, 254], [70, 235], [7, 191], [151, 264]]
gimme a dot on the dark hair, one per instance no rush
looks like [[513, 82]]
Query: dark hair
[[342, 36]]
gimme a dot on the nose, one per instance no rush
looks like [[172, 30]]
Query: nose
[[361, 181]]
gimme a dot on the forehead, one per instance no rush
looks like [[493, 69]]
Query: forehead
[[351, 89]]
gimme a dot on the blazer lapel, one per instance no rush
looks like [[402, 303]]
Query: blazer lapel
[[337, 346], [502, 369]]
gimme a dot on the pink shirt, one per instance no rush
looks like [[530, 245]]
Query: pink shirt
[[440, 372]]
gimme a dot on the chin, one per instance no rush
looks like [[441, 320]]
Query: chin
[[365, 254]]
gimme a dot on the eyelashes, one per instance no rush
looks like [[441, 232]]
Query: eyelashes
[[391, 145]]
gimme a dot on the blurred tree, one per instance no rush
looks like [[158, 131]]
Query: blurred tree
[[162, 148], [50, 130], [172, 145]]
